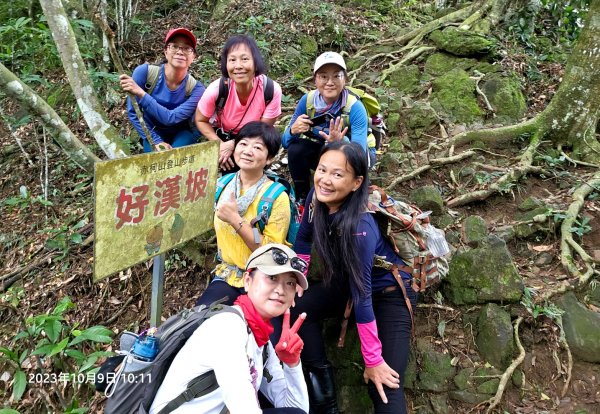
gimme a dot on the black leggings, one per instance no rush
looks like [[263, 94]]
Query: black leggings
[[303, 155], [283, 410], [218, 289], [394, 331], [319, 302]]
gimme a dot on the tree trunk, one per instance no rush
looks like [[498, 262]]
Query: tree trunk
[[104, 133], [71, 145], [572, 115]]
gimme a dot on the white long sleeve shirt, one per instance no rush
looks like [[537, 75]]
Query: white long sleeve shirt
[[223, 344]]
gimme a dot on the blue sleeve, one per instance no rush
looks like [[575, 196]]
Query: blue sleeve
[[366, 237], [359, 124], [304, 238], [183, 111], [140, 75], [287, 135]]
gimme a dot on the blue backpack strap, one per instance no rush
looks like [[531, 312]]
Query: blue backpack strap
[[265, 205], [221, 184]]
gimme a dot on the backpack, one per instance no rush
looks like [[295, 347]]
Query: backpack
[[265, 205], [268, 92], [376, 125], [152, 78], [421, 246], [135, 384]]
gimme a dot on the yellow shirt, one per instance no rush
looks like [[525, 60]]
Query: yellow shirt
[[232, 248]]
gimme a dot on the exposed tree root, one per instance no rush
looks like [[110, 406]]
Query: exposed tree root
[[564, 343], [436, 162], [567, 243], [436, 306], [495, 400], [410, 56], [496, 135]]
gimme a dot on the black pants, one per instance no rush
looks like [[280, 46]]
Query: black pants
[[218, 289], [394, 331], [303, 156], [283, 410], [319, 302]]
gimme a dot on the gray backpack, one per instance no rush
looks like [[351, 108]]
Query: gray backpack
[[136, 382]]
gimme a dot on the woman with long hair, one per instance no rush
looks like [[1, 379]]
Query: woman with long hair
[[248, 95], [237, 208], [346, 239], [169, 97]]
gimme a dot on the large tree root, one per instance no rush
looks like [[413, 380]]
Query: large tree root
[[567, 244], [495, 400], [496, 135], [504, 183], [436, 162]]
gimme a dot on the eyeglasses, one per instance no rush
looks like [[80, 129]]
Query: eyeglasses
[[280, 257], [187, 50], [337, 78]]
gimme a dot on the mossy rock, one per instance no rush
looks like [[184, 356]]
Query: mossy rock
[[484, 274], [441, 63], [443, 221], [390, 162], [530, 203], [495, 336], [474, 230], [454, 95], [308, 45], [436, 369], [594, 294], [428, 198], [505, 95], [439, 403], [406, 79], [489, 387], [396, 145], [418, 119], [392, 122], [410, 375], [463, 380], [582, 328], [462, 42], [486, 67]]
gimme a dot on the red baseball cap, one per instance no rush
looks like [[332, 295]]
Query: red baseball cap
[[183, 32]]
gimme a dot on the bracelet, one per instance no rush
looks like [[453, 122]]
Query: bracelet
[[240, 224]]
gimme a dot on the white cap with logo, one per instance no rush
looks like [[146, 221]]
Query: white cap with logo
[[327, 58]]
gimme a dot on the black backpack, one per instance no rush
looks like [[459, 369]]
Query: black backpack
[[224, 92], [134, 386]]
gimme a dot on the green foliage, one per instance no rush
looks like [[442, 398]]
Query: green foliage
[[581, 227], [24, 200], [48, 350], [63, 237], [549, 310]]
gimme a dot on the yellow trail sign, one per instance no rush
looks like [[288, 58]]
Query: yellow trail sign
[[147, 204]]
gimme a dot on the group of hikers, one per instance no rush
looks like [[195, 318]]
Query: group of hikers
[[257, 272]]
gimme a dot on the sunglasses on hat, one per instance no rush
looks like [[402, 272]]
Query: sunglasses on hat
[[280, 257]]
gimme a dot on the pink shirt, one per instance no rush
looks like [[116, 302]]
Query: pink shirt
[[233, 112]]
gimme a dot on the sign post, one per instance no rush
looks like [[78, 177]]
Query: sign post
[[147, 204]]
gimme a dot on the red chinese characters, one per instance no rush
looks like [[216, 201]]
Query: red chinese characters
[[132, 202], [127, 202], [169, 197], [196, 185]]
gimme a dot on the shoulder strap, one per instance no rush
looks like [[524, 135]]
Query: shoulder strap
[[223, 94], [221, 184], [268, 89], [265, 205], [205, 383], [151, 78], [310, 106], [190, 85], [352, 98]]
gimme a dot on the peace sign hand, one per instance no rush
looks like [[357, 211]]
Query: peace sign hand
[[290, 344]]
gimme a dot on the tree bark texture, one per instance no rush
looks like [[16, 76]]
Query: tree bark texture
[[104, 133], [572, 115], [73, 147]]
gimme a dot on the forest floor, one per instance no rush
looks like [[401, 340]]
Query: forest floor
[[46, 250]]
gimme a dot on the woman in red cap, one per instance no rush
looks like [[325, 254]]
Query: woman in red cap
[[167, 94]]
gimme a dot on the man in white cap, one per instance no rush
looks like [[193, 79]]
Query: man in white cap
[[329, 113]]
